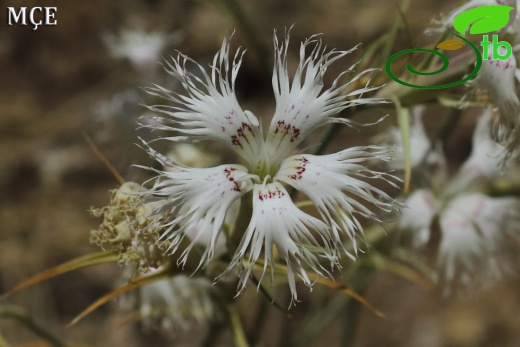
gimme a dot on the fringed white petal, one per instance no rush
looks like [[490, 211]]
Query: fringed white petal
[[460, 250], [416, 220], [210, 110], [486, 156], [276, 221], [204, 236], [303, 105], [198, 199], [336, 185]]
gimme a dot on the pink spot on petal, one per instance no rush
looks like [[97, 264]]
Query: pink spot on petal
[[287, 129], [241, 135], [300, 169], [227, 172]]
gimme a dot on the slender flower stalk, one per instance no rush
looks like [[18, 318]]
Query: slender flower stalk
[[336, 183]]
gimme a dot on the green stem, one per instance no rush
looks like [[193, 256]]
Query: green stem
[[244, 217], [258, 322], [363, 275], [351, 323], [285, 332], [321, 320], [238, 330]]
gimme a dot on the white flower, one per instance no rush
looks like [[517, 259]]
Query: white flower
[[198, 198], [486, 161], [417, 219], [277, 221], [486, 156], [498, 78], [474, 228], [324, 179], [421, 151], [209, 110], [175, 304], [141, 48]]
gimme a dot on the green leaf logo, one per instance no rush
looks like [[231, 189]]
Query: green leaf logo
[[482, 20]]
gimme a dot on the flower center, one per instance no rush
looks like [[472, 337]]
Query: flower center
[[266, 169]]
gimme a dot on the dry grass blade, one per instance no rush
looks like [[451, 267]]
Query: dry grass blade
[[349, 292], [139, 282], [104, 160], [78, 263], [281, 269]]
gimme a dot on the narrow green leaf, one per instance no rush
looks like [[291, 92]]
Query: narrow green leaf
[[75, 264], [402, 270], [403, 120], [238, 329]]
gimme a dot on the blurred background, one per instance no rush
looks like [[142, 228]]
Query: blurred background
[[83, 76]]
